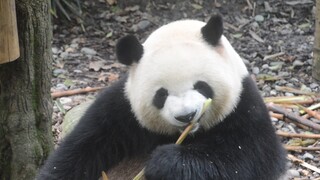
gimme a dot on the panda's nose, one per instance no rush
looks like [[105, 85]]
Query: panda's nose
[[186, 118]]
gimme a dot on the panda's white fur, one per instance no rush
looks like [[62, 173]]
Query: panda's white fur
[[175, 57], [136, 121]]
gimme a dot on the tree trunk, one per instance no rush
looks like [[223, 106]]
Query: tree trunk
[[316, 51], [25, 101]]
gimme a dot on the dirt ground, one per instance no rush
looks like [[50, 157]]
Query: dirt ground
[[274, 38]]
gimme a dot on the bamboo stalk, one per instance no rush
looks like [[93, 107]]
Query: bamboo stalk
[[288, 106], [312, 107], [293, 117], [293, 100], [301, 148], [282, 118], [272, 56], [294, 135], [302, 163], [306, 116], [104, 176], [9, 41], [293, 90], [310, 112], [184, 133], [74, 92]]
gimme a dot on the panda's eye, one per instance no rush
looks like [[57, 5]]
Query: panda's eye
[[204, 89], [160, 98]]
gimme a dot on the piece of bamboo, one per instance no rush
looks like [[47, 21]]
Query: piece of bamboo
[[9, 43]]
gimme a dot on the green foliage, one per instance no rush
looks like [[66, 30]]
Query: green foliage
[[69, 9], [115, 9]]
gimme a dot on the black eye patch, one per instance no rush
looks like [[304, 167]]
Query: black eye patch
[[204, 89], [160, 98]]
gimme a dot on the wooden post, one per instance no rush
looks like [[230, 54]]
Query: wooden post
[[316, 51], [9, 43]]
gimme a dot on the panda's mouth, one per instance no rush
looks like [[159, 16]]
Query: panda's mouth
[[195, 127], [181, 116], [197, 118]]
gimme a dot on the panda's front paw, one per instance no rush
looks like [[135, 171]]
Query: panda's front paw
[[165, 163]]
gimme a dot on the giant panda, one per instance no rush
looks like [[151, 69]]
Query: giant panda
[[134, 123]]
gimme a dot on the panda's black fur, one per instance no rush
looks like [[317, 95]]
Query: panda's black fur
[[105, 135], [243, 146]]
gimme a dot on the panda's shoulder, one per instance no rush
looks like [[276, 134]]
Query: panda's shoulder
[[111, 102], [113, 93]]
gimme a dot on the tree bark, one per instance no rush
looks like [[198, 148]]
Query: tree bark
[[316, 51], [25, 102]]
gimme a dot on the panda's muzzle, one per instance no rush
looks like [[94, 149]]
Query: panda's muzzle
[[186, 118]]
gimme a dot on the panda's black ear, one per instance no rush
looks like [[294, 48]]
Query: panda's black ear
[[213, 30], [129, 50]]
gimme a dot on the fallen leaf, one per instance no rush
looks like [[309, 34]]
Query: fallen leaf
[[196, 6], [305, 25], [68, 82], [59, 63], [60, 106], [111, 2], [103, 77], [132, 8], [216, 4], [88, 51], [96, 65], [109, 34], [308, 142], [267, 77], [256, 37], [113, 77], [294, 142], [237, 35]]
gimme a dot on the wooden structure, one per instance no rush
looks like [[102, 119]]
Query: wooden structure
[[9, 43], [316, 50]]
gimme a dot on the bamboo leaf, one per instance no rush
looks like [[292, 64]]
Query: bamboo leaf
[[60, 106]]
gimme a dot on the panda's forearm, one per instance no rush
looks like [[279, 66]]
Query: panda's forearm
[[80, 159], [85, 153], [180, 162], [191, 162]]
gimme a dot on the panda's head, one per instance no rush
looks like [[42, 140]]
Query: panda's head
[[179, 66]]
